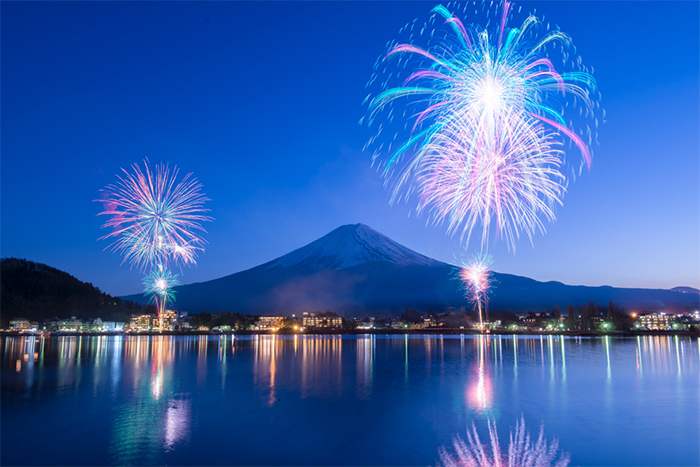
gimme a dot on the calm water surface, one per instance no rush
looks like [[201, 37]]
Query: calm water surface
[[342, 400]]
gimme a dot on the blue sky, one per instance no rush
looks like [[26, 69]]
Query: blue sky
[[261, 101]]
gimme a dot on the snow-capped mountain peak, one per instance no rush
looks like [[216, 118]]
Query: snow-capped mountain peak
[[348, 246]]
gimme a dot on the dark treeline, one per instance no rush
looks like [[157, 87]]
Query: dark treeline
[[456, 319], [240, 321], [591, 317], [38, 292], [588, 317], [225, 318]]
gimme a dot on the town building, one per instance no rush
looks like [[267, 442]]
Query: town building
[[270, 323], [322, 320], [112, 326], [364, 324], [70, 325], [170, 319], [50, 324], [656, 321], [23, 325], [142, 323]]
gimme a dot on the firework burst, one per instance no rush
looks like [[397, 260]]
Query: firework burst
[[156, 220], [159, 287], [476, 281], [483, 129]]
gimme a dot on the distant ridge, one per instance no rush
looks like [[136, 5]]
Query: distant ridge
[[357, 271], [690, 290]]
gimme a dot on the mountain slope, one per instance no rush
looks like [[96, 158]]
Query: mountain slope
[[358, 271], [36, 292]]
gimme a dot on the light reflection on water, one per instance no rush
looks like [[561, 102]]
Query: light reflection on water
[[161, 399], [479, 390]]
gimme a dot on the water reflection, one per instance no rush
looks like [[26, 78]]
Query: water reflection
[[656, 354], [177, 422], [479, 387], [365, 365], [563, 359], [314, 362], [156, 416], [155, 394], [153, 416], [321, 364], [607, 356], [266, 352], [666, 354], [222, 354]]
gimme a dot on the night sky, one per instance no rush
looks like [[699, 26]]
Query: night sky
[[261, 101]]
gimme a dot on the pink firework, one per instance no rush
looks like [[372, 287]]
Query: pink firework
[[476, 281], [476, 118], [155, 218]]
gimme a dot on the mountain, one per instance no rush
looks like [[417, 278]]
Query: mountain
[[36, 292], [349, 246], [356, 271]]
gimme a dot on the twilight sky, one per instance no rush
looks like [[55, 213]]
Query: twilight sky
[[261, 101]]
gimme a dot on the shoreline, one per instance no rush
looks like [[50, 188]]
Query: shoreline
[[443, 331]]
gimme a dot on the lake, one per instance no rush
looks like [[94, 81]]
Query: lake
[[343, 400]]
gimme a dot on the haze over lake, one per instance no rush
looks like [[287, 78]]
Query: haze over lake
[[380, 400]]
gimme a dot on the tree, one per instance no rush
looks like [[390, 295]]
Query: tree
[[590, 314], [571, 316], [582, 318], [201, 319], [556, 313], [453, 320], [620, 319], [411, 316]]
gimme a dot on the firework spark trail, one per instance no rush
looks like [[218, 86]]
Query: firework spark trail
[[476, 282], [159, 286], [155, 219], [484, 123], [156, 223]]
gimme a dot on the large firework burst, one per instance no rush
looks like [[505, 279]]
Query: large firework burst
[[155, 218], [156, 222], [483, 129]]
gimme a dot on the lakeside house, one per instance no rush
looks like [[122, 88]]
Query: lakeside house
[[600, 320], [327, 320]]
